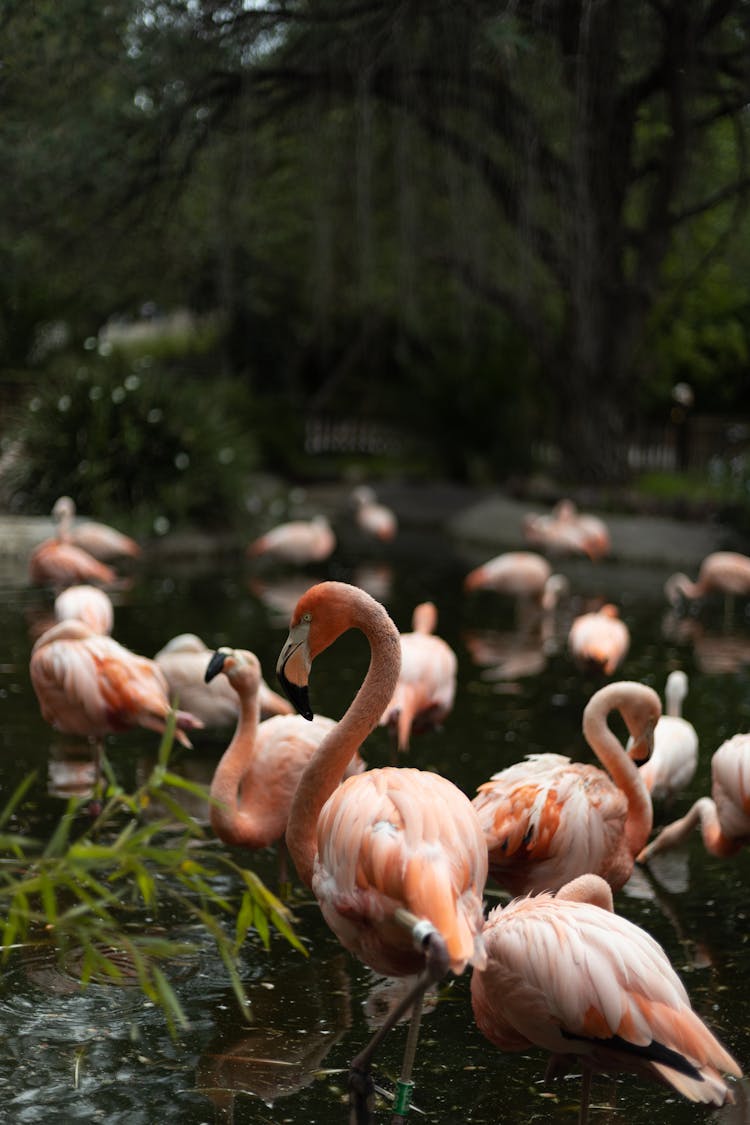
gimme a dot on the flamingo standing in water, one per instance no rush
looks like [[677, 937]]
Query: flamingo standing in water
[[298, 542], [521, 574], [674, 759], [373, 518], [724, 572], [184, 660], [255, 780], [548, 819], [88, 604], [395, 857], [599, 641], [567, 531], [724, 817], [426, 686], [88, 684], [100, 540], [567, 974]]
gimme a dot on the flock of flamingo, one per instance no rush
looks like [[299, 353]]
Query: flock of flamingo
[[397, 857]]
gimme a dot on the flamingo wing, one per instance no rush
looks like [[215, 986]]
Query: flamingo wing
[[395, 838]]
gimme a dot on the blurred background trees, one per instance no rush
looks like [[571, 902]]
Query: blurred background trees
[[494, 228]]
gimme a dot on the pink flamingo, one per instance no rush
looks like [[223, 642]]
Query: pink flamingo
[[254, 783], [88, 604], [548, 819], [183, 660], [88, 684], [100, 540], [725, 572], [674, 759], [599, 641], [522, 574], [373, 518], [299, 542], [724, 817], [426, 686], [59, 564], [567, 531], [567, 974], [395, 857]]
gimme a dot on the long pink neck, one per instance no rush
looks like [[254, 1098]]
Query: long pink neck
[[623, 771], [232, 822], [327, 765]]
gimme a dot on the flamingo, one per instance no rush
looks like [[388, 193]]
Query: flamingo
[[373, 518], [674, 759], [566, 530], [88, 684], [567, 974], [522, 574], [548, 819], [183, 660], [395, 857], [253, 785], [724, 817], [426, 686], [60, 564], [726, 572], [599, 641], [100, 540], [299, 542], [88, 604]]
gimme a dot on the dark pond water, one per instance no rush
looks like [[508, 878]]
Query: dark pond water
[[105, 1054]]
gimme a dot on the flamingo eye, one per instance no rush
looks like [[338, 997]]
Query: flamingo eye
[[307, 618]]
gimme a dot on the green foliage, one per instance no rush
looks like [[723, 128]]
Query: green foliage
[[133, 437], [87, 894]]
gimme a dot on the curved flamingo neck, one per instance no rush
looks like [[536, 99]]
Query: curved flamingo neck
[[680, 584], [620, 767], [714, 839], [230, 820], [327, 765]]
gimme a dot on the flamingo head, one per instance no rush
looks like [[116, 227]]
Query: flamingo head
[[241, 668]]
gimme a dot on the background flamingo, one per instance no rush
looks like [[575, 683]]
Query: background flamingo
[[90, 685], [255, 780], [674, 759], [100, 540], [299, 542], [547, 819], [724, 572], [375, 519], [724, 817], [396, 857], [567, 531], [88, 604], [521, 574], [566, 974], [184, 660], [58, 564], [599, 641], [426, 685]]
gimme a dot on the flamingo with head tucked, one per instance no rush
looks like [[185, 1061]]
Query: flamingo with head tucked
[[395, 857], [88, 604], [426, 686], [184, 660], [88, 684], [548, 819], [724, 817], [599, 641], [567, 974]]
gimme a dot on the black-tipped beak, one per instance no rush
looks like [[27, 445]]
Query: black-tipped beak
[[215, 665], [297, 694]]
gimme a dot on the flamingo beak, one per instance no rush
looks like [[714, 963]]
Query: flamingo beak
[[642, 745], [293, 668], [215, 665]]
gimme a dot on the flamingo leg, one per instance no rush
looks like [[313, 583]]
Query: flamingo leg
[[583, 1114], [285, 885], [361, 1089]]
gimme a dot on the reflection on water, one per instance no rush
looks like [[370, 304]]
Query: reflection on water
[[105, 1054]]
